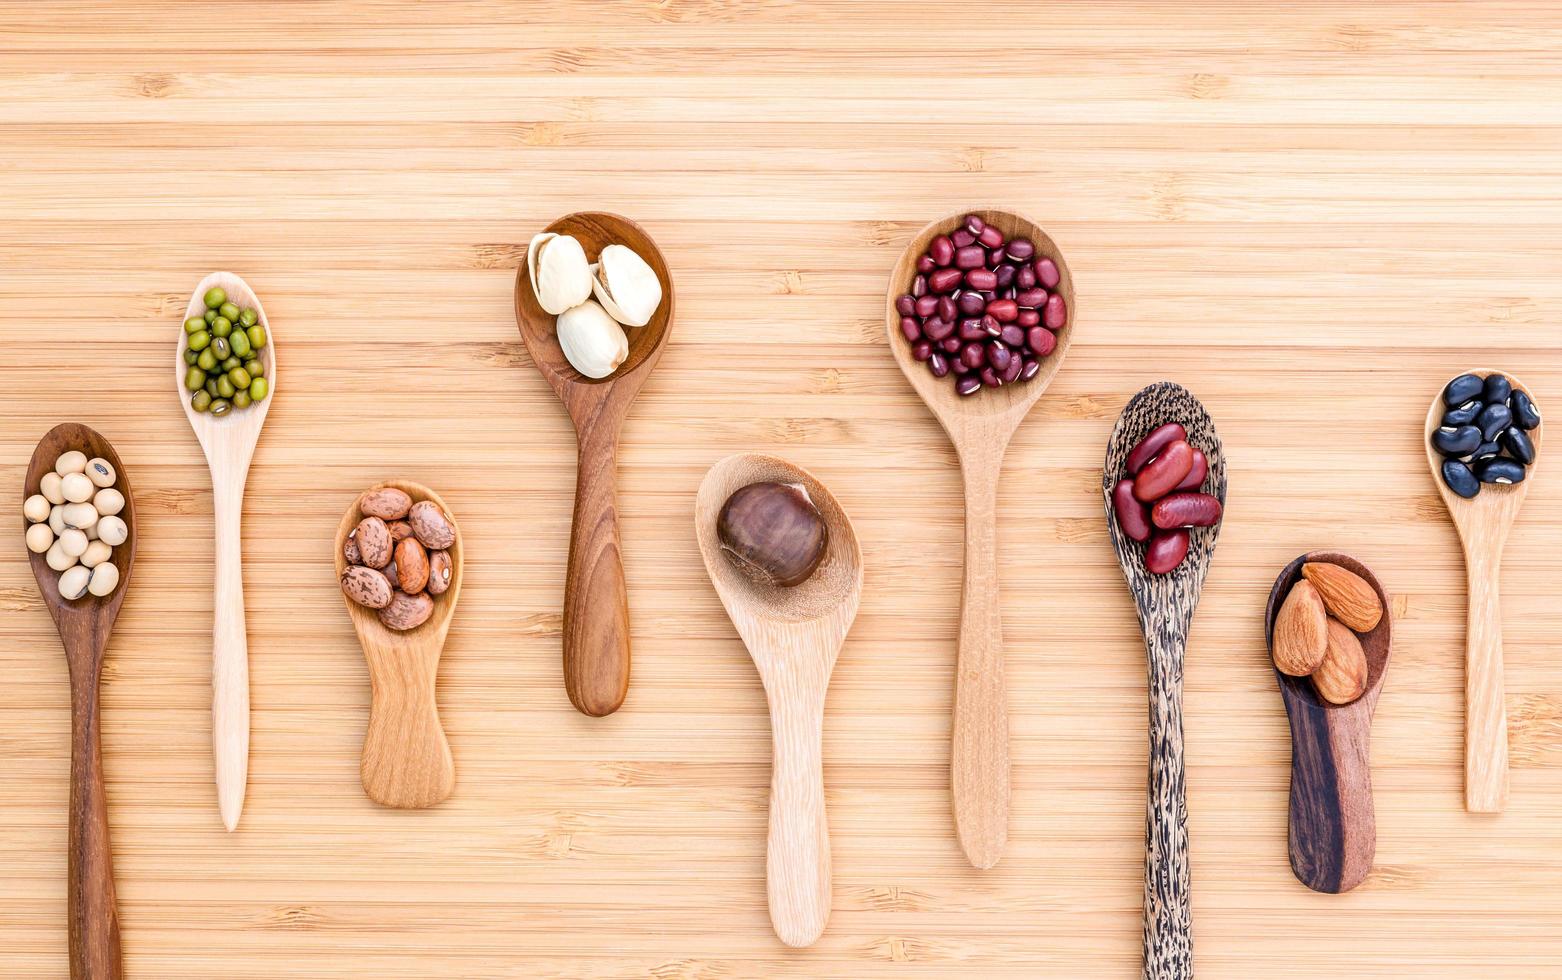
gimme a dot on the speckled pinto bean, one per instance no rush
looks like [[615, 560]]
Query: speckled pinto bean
[[1164, 472], [1151, 445], [1185, 510], [1132, 516], [1166, 551]]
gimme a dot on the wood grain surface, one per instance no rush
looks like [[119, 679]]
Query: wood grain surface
[[1312, 215]]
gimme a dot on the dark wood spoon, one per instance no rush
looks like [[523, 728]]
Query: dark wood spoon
[[1166, 604], [84, 626], [1333, 829], [596, 603]]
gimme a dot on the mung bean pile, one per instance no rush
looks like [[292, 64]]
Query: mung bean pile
[[223, 353]]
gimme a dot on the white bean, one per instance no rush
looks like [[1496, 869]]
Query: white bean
[[36, 508], [74, 582], [57, 558], [96, 554], [109, 501], [73, 543], [100, 472], [104, 579], [39, 538], [112, 530], [77, 488], [52, 486], [57, 519], [80, 516], [71, 462]]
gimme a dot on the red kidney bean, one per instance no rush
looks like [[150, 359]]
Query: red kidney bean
[[1047, 273], [968, 384], [1040, 340], [919, 286], [938, 364], [1025, 277], [991, 326], [942, 250], [1027, 318], [1055, 315], [1005, 274], [937, 328], [911, 329], [990, 378], [971, 303], [906, 304], [1166, 551], [922, 350], [1164, 472], [1013, 335], [981, 279], [1032, 298], [970, 257], [946, 309], [974, 224], [1031, 369], [962, 238], [990, 236], [1005, 310], [925, 263], [951, 345], [1011, 374], [1151, 445], [926, 305], [1133, 518], [971, 355], [1195, 477], [998, 357], [971, 329], [1185, 510], [944, 280], [1021, 248]]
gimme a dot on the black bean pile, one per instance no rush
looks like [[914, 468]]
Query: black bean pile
[[1485, 433]]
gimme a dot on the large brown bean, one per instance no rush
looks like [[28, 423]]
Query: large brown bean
[[1186, 510], [386, 503], [1151, 445], [1166, 551], [440, 571], [1132, 518], [432, 527], [374, 541], [412, 566], [1163, 472], [1195, 478], [366, 587], [407, 612]]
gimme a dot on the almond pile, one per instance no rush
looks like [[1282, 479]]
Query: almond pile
[[1316, 630]]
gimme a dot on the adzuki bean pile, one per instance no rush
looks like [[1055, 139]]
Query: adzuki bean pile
[[1485, 433], [1162, 496], [982, 308]]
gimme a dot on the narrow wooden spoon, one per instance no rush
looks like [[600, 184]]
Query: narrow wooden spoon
[[980, 426], [1483, 522], [1166, 604], [406, 757], [1333, 829], [84, 625], [229, 443], [794, 636], [596, 601]]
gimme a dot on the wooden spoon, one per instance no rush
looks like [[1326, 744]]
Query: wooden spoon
[[1333, 831], [1483, 522], [84, 625], [229, 443], [596, 603], [1166, 604], [406, 757], [794, 636], [980, 427]]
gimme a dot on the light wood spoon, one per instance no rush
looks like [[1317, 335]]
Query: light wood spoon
[[596, 601], [1483, 522], [980, 426], [406, 757], [794, 635], [1165, 604], [1333, 829], [84, 625], [229, 443]]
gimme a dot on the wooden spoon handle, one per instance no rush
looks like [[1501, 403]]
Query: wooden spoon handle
[[1333, 828], [406, 757], [596, 602], [1486, 717], [1168, 913], [94, 920], [979, 755], [797, 856], [230, 653]]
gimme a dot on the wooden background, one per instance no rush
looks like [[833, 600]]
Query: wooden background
[[1309, 214]]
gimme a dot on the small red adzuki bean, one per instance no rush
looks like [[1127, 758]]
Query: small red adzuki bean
[[906, 304], [1011, 374], [990, 378], [1040, 340], [926, 305], [1151, 445], [981, 279], [1055, 315], [919, 286], [1032, 368], [1195, 477], [939, 365], [1028, 318], [922, 350], [1047, 273], [968, 384], [971, 355], [1164, 472], [937, 328], [1185, 510], [1013, 335], [943, 280], [1031, 298], [911, 329], [942, 250], [1005, 274], [1133, 518], [998, 357], [1025, 278], [1166, 551], [970, 257], [947, 309], [971, 303], [974, 224], [1021, 249], [1005, 310], [991, 326], [951, 344], [962, 238], [971, 328], [990, 236], [925, 263]]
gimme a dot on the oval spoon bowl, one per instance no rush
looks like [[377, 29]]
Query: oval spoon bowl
[[89, 608], [240, 424]]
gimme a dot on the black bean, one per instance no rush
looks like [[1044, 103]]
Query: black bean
[[1518, 445], [1483, 451], [1524, 411], [1462, 389], [1456, 441], [1493, 419], [1499, 470], [1459, 478], [1464, 414], [1497, 389]]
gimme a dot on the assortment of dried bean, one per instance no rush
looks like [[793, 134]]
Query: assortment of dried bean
[[398, 557], [1162, 496], [73, 521], [982, 308], [1485, 433]]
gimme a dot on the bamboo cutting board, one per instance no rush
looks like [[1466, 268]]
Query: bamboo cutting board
[[1311, 216]]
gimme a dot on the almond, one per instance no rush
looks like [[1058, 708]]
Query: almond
[[1345, 594], [1342, 677], [1301, 631]]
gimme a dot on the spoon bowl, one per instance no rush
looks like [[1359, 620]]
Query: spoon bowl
[[596, 606], [794, 636], [980, 426], [1483, 523], [1333, 830], [84, 625], [406, 756], [1165, 604]]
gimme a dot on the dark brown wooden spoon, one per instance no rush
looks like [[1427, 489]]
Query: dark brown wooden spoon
[[1333, 829], [596, 604], [1165, 604], [84, 626]]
